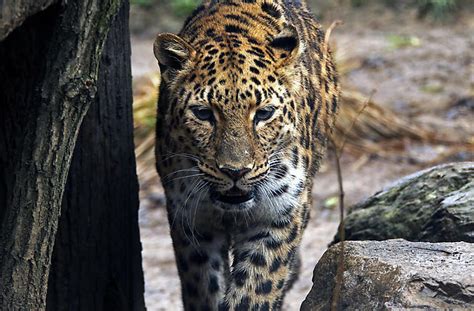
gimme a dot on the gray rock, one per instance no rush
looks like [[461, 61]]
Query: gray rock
[[434, 205], [396, 274]]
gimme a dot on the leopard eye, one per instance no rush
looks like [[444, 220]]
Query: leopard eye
[[264, 114], [203, 114]]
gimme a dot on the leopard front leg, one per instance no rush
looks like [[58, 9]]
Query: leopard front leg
[[202, 260], [263, 260]]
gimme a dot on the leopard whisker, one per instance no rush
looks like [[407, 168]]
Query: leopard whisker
[[184, 215], [191, 169], [181, 207], [191, 222], [171, 155], [196, 205], [182, 177]]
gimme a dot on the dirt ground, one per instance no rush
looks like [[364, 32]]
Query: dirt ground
[[422, 70]]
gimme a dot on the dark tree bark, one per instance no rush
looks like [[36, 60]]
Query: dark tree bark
[[14, 12], [49, 78], [96, 261]]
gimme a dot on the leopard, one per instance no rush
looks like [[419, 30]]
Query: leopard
[[247, 102]]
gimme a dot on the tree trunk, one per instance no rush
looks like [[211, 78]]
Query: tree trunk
[[97, 257], [48, 72]]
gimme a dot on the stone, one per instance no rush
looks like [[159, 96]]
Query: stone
[[395, 275], [434, 205]]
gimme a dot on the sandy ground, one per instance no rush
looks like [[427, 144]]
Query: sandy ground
[[429, 81]]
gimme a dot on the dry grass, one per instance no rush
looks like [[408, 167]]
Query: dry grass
[[145, 98], [380, 130]]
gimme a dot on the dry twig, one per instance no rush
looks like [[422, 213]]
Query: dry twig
[[337, 155]]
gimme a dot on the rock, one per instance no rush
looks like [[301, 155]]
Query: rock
[[434, 205], [396, 274]]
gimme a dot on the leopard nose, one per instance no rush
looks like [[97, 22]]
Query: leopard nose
[[235, 173]]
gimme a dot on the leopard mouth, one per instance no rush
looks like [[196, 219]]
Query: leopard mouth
[[233, 196]]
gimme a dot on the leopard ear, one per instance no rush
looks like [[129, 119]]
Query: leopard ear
[[172, 51], [286, 45]]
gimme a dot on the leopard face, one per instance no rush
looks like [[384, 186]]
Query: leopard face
[[234, 109]]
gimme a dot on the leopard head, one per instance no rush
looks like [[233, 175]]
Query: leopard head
[[230, 100]]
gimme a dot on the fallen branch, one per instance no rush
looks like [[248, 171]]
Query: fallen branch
[[337, 155]]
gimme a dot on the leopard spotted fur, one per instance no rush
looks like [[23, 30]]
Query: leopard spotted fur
[[247, 100]]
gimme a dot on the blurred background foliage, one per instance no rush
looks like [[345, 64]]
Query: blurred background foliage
[[438, 9]]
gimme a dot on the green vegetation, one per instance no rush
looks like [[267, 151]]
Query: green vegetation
[[438, 9], [183, 7], [403, 41], [144, 3], [179, 8], [432, 88]]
